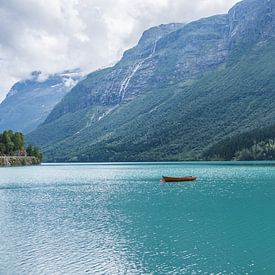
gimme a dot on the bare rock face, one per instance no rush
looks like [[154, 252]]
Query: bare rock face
[[250, 21], [165, 55]]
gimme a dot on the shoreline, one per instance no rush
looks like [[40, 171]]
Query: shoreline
[[216, 163], [13, 161]]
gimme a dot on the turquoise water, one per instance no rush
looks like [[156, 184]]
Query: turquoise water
[[119, 219]]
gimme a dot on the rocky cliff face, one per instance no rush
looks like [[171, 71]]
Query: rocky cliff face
[[165, 55], [250, 21], [180, 89], [30, 101], [112, 85]]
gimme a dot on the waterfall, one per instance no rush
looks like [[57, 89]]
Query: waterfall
[[130, 74], [108, 112]]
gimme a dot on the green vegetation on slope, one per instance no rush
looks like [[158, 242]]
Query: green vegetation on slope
[[178, 122], [258, 144]]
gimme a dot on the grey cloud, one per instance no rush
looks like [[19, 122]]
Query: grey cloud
[[53, 35]]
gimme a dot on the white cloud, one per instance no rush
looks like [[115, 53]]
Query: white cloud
[[53, 35]]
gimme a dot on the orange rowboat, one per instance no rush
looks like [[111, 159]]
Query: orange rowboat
[[173, 179]]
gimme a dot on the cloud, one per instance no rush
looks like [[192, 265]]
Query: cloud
[[54, 35]]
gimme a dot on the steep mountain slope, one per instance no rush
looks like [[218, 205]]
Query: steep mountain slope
[[173, 94], [131, 75], [30, 101]]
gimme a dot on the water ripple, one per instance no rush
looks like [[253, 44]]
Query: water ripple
[[118, 219]]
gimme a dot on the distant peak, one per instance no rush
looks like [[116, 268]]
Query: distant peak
[[68, 78]]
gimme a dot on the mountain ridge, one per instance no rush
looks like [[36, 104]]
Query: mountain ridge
[[225, 25]]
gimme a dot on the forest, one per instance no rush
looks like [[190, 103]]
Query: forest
[[258, 144]]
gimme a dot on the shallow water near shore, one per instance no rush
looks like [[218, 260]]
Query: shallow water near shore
[[119, 219]]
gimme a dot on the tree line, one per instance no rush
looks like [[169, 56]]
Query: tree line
[[13, 144]]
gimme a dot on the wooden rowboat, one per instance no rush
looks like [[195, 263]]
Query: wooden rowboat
[[178, 179]]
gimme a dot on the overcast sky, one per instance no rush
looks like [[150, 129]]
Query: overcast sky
[[54, 35]]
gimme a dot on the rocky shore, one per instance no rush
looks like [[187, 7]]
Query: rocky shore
[[8, 161]]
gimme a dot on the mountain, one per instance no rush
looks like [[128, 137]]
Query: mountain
[[182, 89], [30, 101]]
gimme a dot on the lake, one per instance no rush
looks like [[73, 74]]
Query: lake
[[119, 219]]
